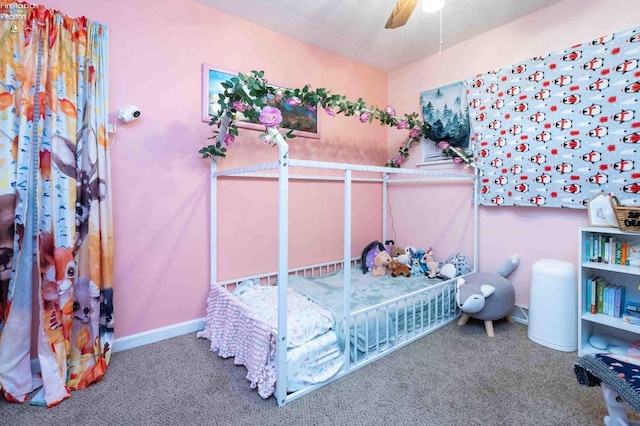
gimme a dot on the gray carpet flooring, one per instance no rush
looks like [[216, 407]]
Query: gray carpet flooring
[[455, 376]]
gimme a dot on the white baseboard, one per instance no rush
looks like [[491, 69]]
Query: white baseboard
[[145, 338], [158, 334]]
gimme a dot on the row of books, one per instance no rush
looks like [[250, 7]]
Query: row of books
[[603, 297], [608, 249]]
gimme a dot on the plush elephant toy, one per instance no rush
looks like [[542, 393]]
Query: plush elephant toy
[[487, 296]]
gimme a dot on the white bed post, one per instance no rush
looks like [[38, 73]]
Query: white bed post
[[346, 266], [476, 221], [213, 205], [385, 212], [283, 264], [213, 224]]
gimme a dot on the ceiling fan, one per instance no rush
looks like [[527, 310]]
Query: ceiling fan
[[404, 8]]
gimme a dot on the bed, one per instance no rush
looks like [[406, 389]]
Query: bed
[[320, 305]]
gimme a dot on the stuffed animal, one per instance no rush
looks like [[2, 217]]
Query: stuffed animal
[[415, 266], [457, 264], [404, 258], [380, 264], [398, 269], [430, 264], [409, 250], [487, 296], [393, 250], [369, 254]]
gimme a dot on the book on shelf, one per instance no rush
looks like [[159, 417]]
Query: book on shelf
[[631, 313], [603, 297], [619, 301], [618, 253], [632, 307], [601, 248], [600, 283]]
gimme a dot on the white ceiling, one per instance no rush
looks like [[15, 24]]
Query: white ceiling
[[355, 28]]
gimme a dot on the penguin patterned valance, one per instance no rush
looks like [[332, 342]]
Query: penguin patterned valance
[[556, 129]]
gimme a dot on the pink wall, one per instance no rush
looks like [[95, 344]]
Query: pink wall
[[160, 183], [533, 233]]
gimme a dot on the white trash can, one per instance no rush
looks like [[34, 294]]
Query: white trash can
[[553, 305]]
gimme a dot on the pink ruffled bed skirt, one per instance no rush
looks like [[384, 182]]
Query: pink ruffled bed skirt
[[235, 332]]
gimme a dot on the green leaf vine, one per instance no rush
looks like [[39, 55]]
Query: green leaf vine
[[247, 94]]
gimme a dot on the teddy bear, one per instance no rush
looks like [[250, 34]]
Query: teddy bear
[[398, 269], [380, 264], [393, 249]]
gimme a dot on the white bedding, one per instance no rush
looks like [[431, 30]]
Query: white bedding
[[313, 362], [314, 355], [305, 322]]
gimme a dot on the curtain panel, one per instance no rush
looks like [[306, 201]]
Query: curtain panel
[[56, 241]]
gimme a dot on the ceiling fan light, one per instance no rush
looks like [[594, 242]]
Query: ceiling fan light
[[431, 6]]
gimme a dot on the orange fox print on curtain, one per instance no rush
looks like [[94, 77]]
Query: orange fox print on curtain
[[55, 195]]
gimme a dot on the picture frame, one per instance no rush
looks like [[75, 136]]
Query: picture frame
[[446, 111], [303, 121], [600, 212]]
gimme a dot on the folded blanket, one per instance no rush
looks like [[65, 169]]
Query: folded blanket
[[619, 372]]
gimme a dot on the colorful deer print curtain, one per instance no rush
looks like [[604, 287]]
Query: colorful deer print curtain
[[557, 129], [56, 245]]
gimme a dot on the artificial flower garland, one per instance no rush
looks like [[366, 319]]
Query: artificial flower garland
[[247, 94]]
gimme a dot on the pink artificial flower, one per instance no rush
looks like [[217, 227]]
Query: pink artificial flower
[[270, 116], [267, 139], [229, 139], [294, 101], [278, 95], [414, 133], [311, 108], [364, 117], [390, 110], [443, 145], [403, 124], [398, 159], [239, 106], [457, 160], [329, 112]]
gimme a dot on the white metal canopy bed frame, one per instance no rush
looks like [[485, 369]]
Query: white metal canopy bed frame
[[388, 176]]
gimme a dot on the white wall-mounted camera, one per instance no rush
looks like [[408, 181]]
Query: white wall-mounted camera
[[129, 113]]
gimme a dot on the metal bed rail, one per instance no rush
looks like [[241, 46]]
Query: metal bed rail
[[419, 312], [307, 271], [427, 320]]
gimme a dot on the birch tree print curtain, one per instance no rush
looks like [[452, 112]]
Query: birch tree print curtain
[[56, 244]]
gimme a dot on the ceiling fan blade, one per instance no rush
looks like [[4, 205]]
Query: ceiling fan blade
[[401, 13]]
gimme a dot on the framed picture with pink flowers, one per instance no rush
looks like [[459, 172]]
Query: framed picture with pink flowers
[[301, 119]]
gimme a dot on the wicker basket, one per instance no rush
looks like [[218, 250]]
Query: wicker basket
[[628, 217]]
